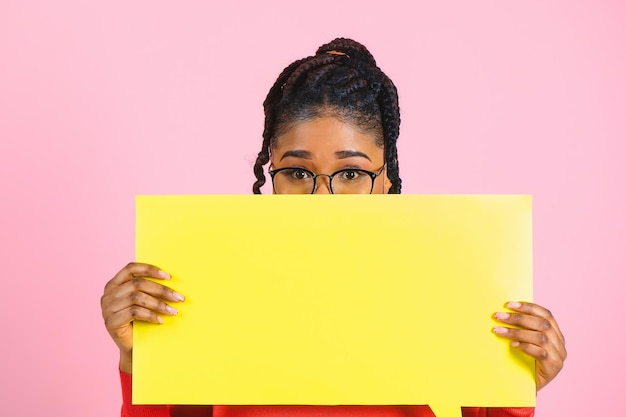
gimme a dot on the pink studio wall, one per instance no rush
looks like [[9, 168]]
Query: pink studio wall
[[103, 101]]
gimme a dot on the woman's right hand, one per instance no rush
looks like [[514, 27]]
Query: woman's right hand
[[129, 296]]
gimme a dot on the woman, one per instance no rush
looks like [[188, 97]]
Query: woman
[[331, 125]]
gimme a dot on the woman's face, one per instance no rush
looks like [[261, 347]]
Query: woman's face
[[326, 145]]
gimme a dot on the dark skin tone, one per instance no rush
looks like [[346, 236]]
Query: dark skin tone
[[129, 296], [323, 146]]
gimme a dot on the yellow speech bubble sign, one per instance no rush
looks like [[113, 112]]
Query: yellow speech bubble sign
[[343, 299]]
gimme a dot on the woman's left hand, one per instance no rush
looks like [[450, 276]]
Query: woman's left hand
[[538, 335]]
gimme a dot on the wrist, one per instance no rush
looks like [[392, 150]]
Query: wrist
[[126, 362]]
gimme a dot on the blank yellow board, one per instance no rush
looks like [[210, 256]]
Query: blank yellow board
[[340, 299]]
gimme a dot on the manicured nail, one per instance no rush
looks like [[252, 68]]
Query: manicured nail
[[502, 316], [513, 304], [164, 275], [500, 330], [159, 319], [178, 297], [515, 344], [171, 310]]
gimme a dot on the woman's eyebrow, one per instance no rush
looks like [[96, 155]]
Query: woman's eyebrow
[[297, 154], [350, 154]]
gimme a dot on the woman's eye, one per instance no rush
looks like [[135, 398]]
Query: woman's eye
[[350, 175], [298, 174]]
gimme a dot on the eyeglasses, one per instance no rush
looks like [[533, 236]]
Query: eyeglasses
[[292, 180]]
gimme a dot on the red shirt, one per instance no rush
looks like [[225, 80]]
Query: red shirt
[[129, 410]]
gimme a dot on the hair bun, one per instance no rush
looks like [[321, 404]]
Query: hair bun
[[350, 47]]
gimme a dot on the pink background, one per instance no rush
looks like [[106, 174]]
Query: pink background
[[99, 103]]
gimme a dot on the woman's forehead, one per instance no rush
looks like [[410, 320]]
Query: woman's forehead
[[325, 135]]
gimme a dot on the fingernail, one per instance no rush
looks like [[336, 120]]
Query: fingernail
[[515, 344], [171, 310], [160, 320], [502, 316], [513, 304], [500, 330], [178, 297], [164, 274]]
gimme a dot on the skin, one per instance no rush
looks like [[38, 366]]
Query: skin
[[323, 145], [326, 145], [129, 296], [537, 334]]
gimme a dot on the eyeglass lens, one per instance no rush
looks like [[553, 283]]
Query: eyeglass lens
[[302, 181]]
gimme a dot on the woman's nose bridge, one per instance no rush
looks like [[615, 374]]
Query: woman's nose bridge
[[322, 188]]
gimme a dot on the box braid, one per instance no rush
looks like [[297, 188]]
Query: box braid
[[341, 80]]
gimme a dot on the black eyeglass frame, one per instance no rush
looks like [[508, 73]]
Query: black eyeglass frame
[[371, 174]]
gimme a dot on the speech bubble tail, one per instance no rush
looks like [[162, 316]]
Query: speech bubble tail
[[446, 410]]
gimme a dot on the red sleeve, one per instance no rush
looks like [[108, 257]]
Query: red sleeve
[[130, 410], [498, 412], [510, 412]]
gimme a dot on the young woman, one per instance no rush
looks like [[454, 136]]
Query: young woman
[[331, 125]]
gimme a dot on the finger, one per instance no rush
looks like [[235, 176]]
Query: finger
[[538, 311], [529, 308], [536, 344], [130, 314], [152, 288], [137, 298], [536, 338], [141, 292], [524, 320], [130, 293], [537, 352], [548, 364], [134, 270]]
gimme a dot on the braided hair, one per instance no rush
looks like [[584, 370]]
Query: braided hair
[[341, 80]]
